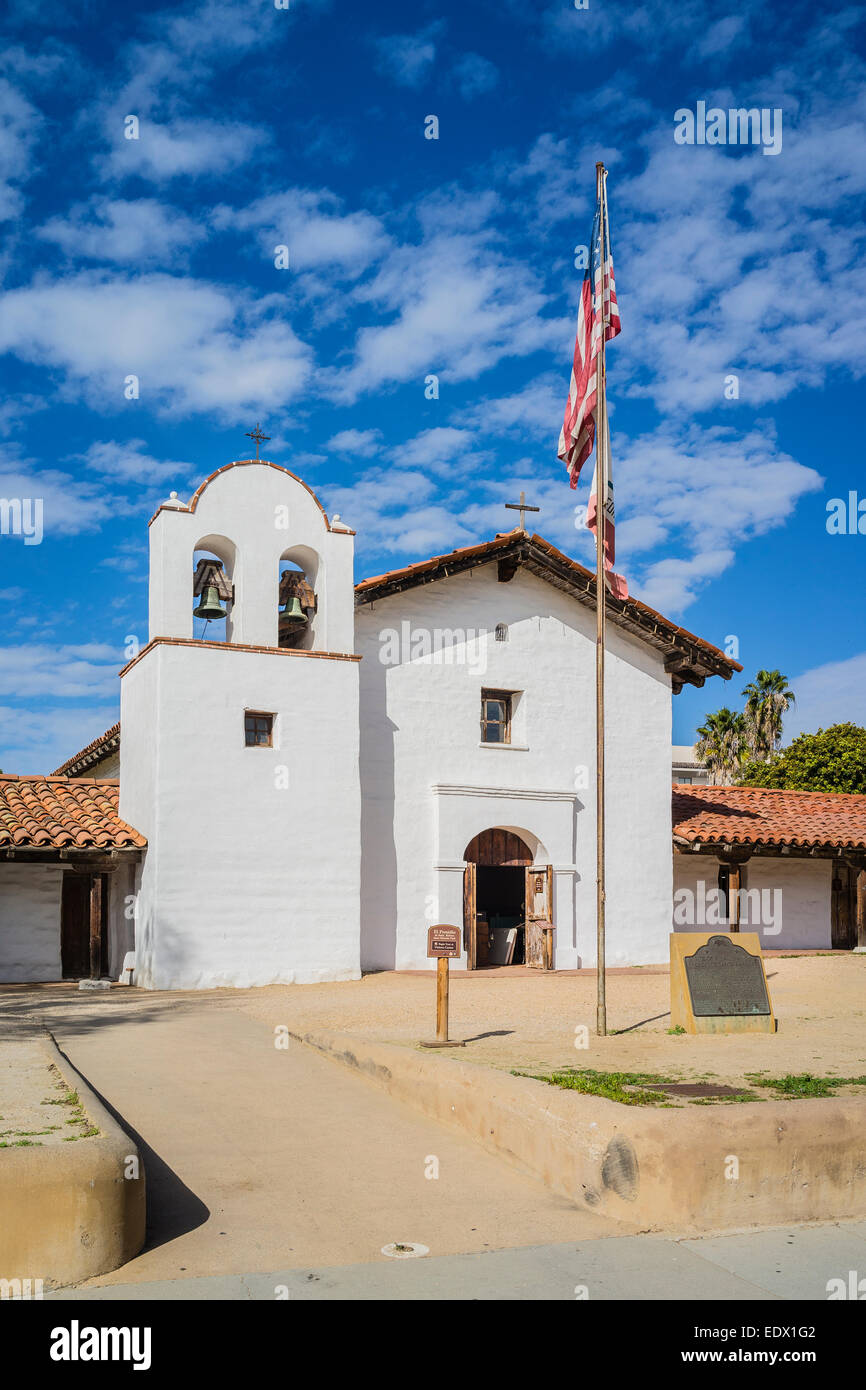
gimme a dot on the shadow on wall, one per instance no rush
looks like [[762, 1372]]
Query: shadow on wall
[[378, 848]]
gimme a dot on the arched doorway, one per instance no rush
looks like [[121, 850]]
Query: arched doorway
[[504, 897]]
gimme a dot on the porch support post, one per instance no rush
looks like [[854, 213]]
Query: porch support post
[[95, 926]]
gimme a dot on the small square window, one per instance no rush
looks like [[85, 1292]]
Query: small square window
[[258, 730], [495, 716]]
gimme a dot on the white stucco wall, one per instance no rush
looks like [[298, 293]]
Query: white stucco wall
[[794, 909], [429, 787], [244, 882], [29, 922]]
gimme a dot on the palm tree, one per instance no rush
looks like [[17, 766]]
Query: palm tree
[[767, 699], [722, 744]]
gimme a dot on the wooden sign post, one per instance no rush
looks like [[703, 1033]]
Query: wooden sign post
[[443, 943]]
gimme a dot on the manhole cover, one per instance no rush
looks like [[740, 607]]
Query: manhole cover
[[404, 1250], [694, 1088]]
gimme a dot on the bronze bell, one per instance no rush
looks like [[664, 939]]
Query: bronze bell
[[293, 612], [210, 606]]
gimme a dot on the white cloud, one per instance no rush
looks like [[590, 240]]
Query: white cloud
[[438, 450], [456, 306], [39, 740], [726, 261], [408, 58], [357, 443], [475, 75], [73, 672], [70, 505], [20, 126], [130, 463], [143, 232], [704, 492], [194, 346], [187, 148], [315, 228], [535, 410], [834, 693]]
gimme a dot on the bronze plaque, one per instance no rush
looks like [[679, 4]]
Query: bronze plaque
[[725, 979], [443, 941]]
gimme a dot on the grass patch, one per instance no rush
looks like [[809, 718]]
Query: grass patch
[[70, 1098], [741, 1098], [805, 1085], [20, 1144], [679, 1029], [86, 1134], [608, 1084]]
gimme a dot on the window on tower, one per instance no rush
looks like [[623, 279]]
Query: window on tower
[[258, 729]]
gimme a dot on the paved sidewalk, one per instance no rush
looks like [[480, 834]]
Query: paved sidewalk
[[786, 1263], [259, 1158]]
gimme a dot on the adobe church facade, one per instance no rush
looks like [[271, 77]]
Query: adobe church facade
[[308, 783], [330, 847]]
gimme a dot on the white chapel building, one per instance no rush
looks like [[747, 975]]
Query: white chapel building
[[299, 789]]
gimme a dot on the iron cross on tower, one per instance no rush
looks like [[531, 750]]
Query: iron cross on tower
[[257, 435], [522, 506]]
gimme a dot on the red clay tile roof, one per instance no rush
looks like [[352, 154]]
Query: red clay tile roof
[[63, 813], [94, 752], [690, 659], [763, 816]]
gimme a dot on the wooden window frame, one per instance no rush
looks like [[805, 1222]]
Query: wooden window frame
[[505, 697], [257, 714]]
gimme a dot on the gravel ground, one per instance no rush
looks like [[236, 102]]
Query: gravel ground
[[527, 1020]]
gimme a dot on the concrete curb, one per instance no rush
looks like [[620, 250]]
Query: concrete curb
[[69, 1212], [670, 1170]]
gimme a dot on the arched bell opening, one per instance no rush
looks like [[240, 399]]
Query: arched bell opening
[[213, 589], [298, 604]]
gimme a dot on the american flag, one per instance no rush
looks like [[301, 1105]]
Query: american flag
[[577, 438]]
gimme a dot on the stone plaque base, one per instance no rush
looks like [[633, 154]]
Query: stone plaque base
[[726, 978]]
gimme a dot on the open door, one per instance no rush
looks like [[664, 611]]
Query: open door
[[470, 933], [77, 923], [539, 909], [843, 908]]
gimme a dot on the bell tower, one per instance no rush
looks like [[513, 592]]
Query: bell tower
[[239, 751]]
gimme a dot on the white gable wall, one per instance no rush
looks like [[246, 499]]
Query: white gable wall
[[428, 786]]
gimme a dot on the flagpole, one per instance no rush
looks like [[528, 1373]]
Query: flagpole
[[601, 466]]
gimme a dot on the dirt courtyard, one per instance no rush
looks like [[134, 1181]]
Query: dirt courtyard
[[529, 1020]]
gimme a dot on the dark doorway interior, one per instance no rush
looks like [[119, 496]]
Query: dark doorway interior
[[500, 905], [75, 926]]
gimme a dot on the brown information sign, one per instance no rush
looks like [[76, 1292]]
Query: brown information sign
[[443, 941]]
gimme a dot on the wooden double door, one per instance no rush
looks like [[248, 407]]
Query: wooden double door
[[504, 850]]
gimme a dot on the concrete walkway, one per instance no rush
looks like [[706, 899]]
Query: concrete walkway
[[786, 1263], [275, 1170], [260, 1159]]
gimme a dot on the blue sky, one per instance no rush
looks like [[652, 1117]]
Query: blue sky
[[305, 127]]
